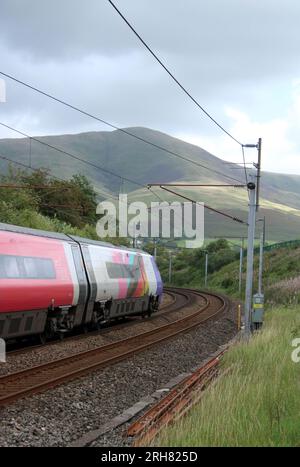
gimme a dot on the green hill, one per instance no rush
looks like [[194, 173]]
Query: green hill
[[124, 155]]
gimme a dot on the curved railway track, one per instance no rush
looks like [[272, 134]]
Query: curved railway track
[[41, 377], [174, 304]]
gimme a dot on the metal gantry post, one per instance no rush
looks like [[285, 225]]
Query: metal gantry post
[[258, 172], [250, 252], [241, 270], [206, 267], [260, 270]]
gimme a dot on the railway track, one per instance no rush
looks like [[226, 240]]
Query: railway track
[[24, 347], [41, 377]]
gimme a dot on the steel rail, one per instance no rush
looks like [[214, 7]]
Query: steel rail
[[41, 377], [130, 320]]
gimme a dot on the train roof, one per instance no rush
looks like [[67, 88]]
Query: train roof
[[61, 236], [36, 232], [106, 244]]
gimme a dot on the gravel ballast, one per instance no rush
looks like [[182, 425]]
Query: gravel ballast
[[64, 414], [68, 347]]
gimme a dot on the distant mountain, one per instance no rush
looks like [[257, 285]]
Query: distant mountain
[[119, 153]]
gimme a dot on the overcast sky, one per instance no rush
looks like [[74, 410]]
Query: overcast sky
[[239, 58]]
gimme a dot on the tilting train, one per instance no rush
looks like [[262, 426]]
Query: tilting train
[[51, 283]]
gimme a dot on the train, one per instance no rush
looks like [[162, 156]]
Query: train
[[51, 283]]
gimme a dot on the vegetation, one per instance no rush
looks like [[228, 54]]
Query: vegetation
[[39, 201], [188, 266], [69, 206], [281, 277], [257, 403]]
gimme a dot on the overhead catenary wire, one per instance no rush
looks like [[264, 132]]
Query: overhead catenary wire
[[177, 81], [149, 188], [122, 178], [203, 185], [30, 168], [217, 211], [25, 166], [34, 187], [105, 195], [139, 138], [72, 155], [172, 75]]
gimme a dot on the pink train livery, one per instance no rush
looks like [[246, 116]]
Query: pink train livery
[[51, 283]]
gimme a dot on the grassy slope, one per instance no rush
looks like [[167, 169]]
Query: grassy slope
[[257, 403], [282, 222], [280, 278], [115, 151]]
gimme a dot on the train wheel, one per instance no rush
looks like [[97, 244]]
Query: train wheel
[[150, 308], [43, 338]]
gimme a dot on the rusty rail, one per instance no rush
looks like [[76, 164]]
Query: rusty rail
[[173, 406]]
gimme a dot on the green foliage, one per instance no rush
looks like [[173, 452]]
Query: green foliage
[[218, 245], [48, 204], [281, 276], [72, 201], [188, 266]]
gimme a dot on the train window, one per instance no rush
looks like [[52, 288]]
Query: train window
[[25, 267], [114, 270], [39, 268], [46, 268], [10, 267], [129, 270], [121, 271], [30, 267]]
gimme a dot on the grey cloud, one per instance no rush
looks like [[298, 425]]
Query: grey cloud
[[223, 51], [73, 28]]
